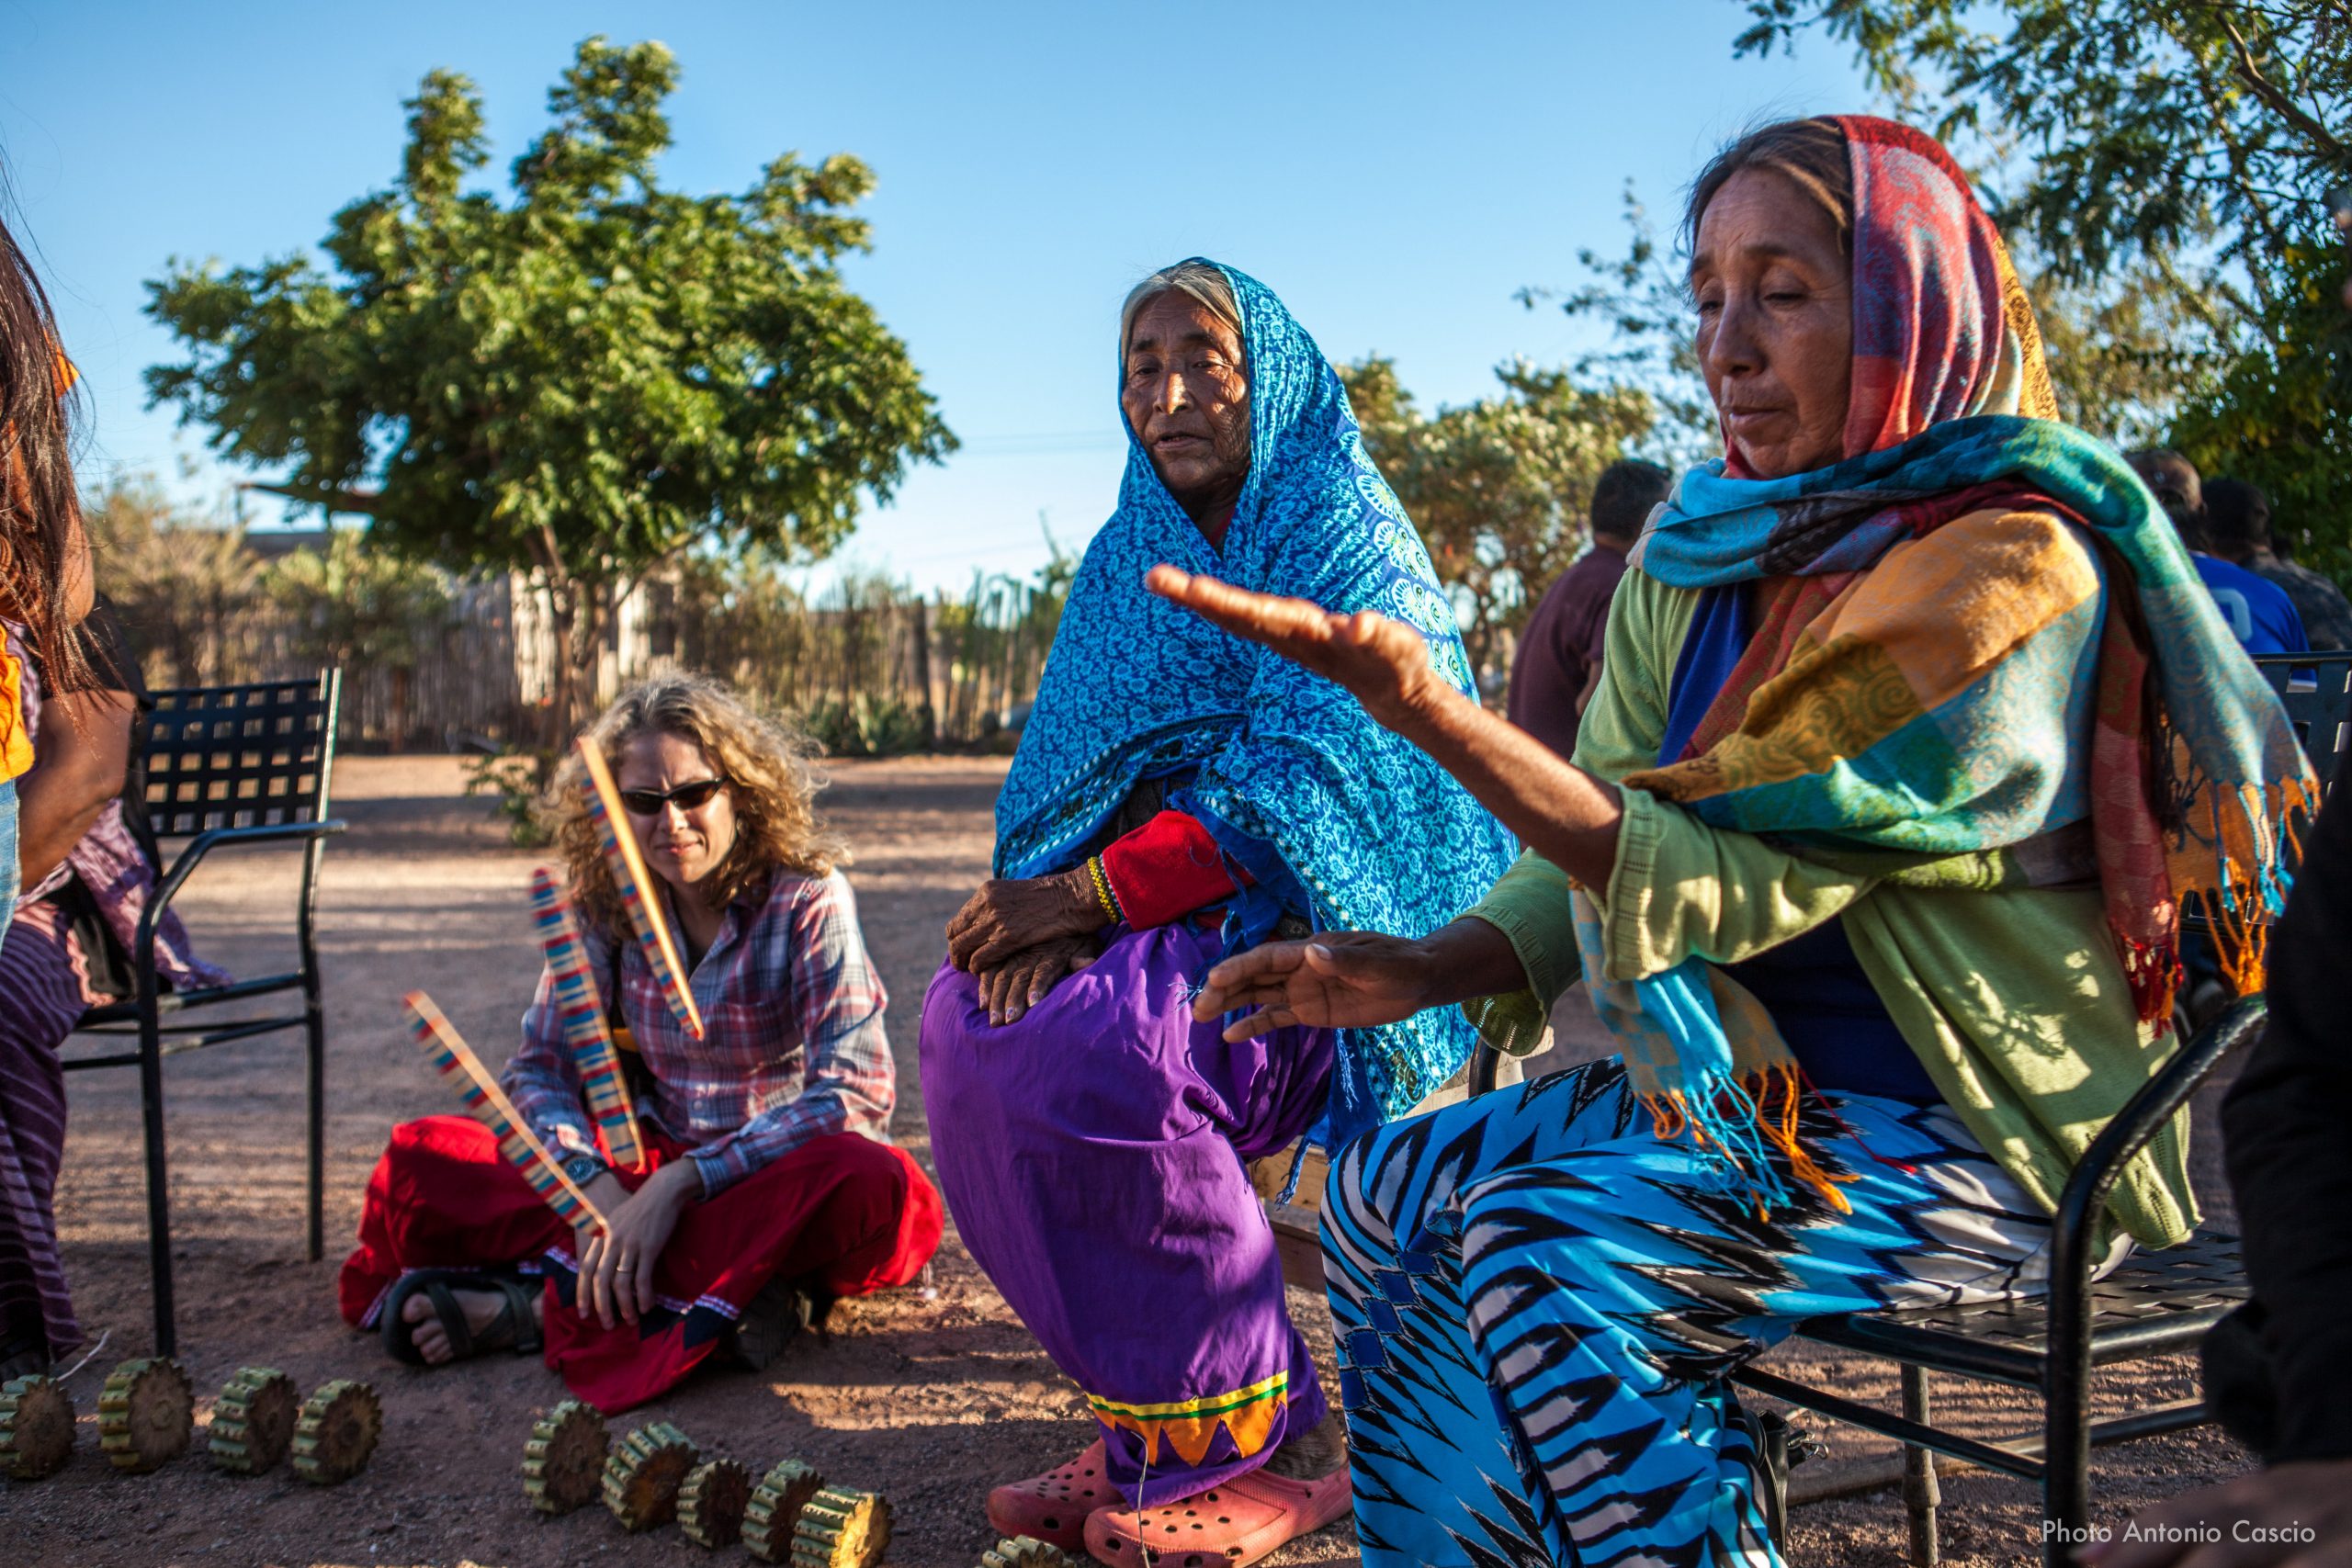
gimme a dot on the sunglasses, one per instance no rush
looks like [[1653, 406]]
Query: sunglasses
[[687, 797]]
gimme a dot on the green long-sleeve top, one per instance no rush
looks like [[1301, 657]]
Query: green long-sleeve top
[[2014, 997]]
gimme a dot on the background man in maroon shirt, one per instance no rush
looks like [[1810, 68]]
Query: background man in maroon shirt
[[1558, 666]]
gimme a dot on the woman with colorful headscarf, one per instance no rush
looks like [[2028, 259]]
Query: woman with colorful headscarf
[[1179, 796], [1916, 732]]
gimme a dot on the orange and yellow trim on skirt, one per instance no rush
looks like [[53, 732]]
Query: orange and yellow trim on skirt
[[1188, 1426]]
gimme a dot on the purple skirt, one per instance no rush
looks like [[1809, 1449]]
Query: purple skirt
[[45, 986], [1092, 1153]]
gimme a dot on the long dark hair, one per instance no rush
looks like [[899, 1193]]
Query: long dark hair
[[40, 515]]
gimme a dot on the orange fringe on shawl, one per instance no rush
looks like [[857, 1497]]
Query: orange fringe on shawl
[[2168, 840], [1776, 1094], [2221, 880]]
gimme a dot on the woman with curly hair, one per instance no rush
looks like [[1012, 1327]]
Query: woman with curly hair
[[770, 1187]]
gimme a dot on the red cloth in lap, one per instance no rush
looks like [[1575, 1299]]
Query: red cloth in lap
[[841, 1213], [1165, 870]]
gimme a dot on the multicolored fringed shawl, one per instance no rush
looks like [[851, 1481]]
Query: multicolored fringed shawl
[[1933, 641], [1330, 813]]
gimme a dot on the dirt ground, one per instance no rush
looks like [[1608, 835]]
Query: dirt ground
[[928, 1396]]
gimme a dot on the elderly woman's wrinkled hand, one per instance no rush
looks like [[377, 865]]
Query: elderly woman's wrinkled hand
[[1009, 990], [1010, 915], [1385, 664], [1340, 980]]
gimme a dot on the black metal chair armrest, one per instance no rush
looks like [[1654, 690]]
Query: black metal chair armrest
[[2066, 1366], [203, 843], [1485, 1067]]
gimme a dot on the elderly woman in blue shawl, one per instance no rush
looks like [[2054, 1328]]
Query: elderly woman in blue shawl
[[1179, 796]]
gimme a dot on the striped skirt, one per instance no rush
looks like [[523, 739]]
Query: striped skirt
[[1537, 1301], [46, 987]]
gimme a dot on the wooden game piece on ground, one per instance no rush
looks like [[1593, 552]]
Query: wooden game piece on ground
[[337, 1432], [146, 1414], [639, 899], [773, 1511], [642, 1478], [711, 1501], [36, 1427], [842, 1528], [563, 1460], [1025, 1551], [253, 1421]]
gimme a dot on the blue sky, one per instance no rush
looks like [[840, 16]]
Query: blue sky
[[1394, 171]]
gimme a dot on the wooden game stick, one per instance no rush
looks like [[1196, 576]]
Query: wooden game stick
[[488, 1104], [639, 895], [581, 1011]]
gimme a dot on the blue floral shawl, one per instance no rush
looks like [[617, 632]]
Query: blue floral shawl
[[1337, 819]]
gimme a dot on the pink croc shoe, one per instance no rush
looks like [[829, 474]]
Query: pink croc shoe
[[1229, 1525], [1052, 1507]]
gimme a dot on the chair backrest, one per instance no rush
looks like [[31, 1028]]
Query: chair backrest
[[251, 756], [2317, 690]]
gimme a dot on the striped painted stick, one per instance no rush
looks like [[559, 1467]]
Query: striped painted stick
[[639, 895], [488, 1104], [582, 1012]]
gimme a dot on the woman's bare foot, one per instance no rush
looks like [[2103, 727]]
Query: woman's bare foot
[[481, 1309], [1314, 1454]]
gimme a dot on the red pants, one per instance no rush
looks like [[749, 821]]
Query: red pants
[[842, 1213]]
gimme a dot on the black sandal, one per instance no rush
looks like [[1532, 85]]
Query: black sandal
[[513, 1327], [779, 1316], [29, 1354]]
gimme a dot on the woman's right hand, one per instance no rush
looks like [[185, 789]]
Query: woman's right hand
[[604, 1191], [1359, 979], [1011, 916], [618, 1260], [1021, 981], [1336, 980]]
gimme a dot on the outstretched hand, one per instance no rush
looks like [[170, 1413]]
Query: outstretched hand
[[1340, 980], [1383, 662]]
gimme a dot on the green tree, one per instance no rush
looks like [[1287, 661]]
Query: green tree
[[2124, 352], [2148, 128], [2278, 417], [358, 607], [1642, 300], [2187, 146], [586, 381], [179, 581], [1502, 488]]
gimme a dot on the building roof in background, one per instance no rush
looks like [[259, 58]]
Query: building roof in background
[[273, 544]]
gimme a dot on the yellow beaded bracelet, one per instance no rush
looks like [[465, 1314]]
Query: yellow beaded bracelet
[[1101, 880]]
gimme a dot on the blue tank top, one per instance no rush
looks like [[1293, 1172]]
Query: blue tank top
[[1813, 987]]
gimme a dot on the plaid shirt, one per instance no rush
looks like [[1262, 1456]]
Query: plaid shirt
[[794, 1045]]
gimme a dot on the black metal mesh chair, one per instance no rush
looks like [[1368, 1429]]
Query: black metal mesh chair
[[2156, 1303], [227, 766]]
